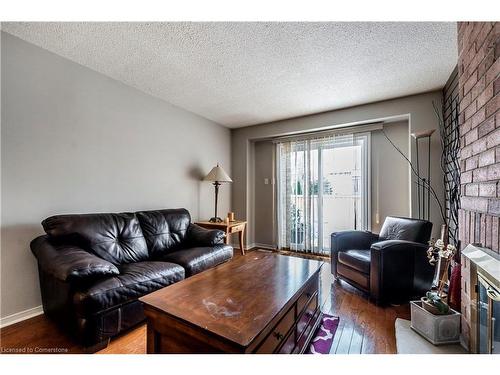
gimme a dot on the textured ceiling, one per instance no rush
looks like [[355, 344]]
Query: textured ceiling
[[241, 74]]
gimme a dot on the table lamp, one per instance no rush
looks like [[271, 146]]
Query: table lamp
[[218, 176]]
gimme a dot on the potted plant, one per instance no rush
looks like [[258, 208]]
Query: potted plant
[[431, 316], [434, 304]]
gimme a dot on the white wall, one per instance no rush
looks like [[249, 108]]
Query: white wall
[[75, 141]]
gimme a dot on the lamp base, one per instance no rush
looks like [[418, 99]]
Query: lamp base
[[215, 220]]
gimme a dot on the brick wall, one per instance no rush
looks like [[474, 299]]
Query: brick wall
[[479, 119], [479, 124]]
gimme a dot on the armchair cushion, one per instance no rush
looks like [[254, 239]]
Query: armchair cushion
[[349, 240], [198, 236], [67, 263], [357, 259]]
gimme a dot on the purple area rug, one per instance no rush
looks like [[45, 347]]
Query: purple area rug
[[323, 339]]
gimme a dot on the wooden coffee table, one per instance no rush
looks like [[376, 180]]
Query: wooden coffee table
[[260, 303]]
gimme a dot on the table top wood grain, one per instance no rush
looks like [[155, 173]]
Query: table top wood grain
[[238, 299]]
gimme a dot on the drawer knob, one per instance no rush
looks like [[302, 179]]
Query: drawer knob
[[279, 336]]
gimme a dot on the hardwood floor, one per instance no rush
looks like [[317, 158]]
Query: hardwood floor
[[364, 327]]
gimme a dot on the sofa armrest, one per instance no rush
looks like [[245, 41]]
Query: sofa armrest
[[68, 263], [399, 270], [199, 236]]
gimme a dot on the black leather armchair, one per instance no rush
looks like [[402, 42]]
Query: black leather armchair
[[391, 266], [94, 267]]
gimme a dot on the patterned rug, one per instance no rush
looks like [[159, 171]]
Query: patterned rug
[[322, 341]]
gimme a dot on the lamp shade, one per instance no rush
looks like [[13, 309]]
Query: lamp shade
[[218, 174]]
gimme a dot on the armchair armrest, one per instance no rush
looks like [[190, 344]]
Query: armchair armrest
[[399, 270], [352, 239], [349, 240], [396, 245], [68, 263], [199, 236]]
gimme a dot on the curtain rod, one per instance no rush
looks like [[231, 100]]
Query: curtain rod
[[350, 129]]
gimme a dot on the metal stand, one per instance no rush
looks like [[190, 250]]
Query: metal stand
[[216, 219], [423, 184]]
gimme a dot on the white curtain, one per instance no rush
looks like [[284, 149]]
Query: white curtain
[[305, 178]]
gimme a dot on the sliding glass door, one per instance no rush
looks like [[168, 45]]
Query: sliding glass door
[[322, 187]]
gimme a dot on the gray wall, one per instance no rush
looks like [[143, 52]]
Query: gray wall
[[264, 193], [74, 140], [417, 110], [390, 175], [390, 181]]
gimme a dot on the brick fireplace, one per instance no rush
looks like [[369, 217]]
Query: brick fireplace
[[479, 121]]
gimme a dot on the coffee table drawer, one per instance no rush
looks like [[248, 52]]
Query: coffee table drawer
[[289, 345], [309, 291], [278, 334], [307, 315], [307, 332]]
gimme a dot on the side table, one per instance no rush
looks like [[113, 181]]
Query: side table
[[228, 228]]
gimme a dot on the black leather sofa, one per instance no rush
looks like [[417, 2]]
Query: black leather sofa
[[391, 266], [94, 267]]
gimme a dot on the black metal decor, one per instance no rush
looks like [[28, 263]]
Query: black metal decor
[[450, 163], [423, 184], [447, 115]]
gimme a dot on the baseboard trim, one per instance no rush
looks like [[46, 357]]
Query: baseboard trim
[[254, 245], [265, 246], [20, 316]]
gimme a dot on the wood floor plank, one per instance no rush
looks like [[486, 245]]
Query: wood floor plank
[[356, 341], [337, 337], [345, 340]]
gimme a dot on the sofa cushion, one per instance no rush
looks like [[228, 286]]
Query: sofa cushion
[[198, 259], [116, 238], [164, 230], [135, 280], [357, 259]]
